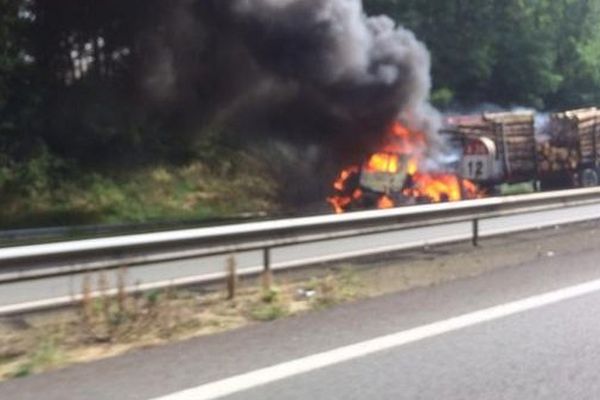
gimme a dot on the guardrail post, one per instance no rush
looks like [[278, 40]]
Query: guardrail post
[[267, 275], [232, 278], [475, 232]]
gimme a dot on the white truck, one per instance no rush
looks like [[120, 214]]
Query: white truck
[[497, 148]]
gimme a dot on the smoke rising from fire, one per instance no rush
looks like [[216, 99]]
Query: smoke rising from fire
[[310, 71]]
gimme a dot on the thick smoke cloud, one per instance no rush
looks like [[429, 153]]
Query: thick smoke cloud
[[304, 71]]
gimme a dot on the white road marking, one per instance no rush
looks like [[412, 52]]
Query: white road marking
[[292, 368]]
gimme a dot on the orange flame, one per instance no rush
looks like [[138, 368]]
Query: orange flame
[[401, 140], [383, 162], [341, 202], [435, 187], [413, 167], [471, 191], [345, 175], [424, 187], [385, 202]]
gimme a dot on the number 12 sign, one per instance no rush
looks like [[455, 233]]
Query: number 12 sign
[[477, 161]]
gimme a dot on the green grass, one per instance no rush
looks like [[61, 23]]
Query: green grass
[[46, 355], [270, 306], [268, 312], [515, 189], [195, 191]]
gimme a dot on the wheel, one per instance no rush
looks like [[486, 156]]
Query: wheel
[[589, 178]]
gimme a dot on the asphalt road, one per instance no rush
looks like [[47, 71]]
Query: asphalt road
[[553, 353], [24, 293], [549, 348]]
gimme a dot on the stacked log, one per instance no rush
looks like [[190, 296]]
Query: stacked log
[[515, 138], [553, 158], [578, 130]]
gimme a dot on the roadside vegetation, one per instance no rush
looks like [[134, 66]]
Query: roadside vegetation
[[47, 191], [108, 325]]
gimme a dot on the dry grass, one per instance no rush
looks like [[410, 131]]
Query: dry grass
[[335, 289], [106, 325]]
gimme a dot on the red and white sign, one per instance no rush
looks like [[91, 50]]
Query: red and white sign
[[476, 148], [478, 160]]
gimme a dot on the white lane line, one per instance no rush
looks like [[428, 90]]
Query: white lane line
[[289, 369]]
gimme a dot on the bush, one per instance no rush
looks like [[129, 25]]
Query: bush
[[47, 191], [442, 98]]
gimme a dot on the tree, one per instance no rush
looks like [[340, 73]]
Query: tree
[[537, 53], [16, 102]]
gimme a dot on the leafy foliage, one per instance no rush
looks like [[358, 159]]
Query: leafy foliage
[[538, 53]]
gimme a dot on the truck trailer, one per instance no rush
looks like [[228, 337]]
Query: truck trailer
[[503, 148]]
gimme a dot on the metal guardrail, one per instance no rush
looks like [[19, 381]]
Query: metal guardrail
[[40, 261], [28, 236]]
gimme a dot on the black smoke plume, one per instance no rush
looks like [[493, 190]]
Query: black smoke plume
[[306, 70], [297, 72]]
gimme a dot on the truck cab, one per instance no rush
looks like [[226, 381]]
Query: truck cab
[[480, 162], [498, 149], [385, 173]]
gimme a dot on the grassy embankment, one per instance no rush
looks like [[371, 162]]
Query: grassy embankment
[[106, 326], [49, 192]]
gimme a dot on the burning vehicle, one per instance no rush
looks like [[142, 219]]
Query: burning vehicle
[[396, 175]]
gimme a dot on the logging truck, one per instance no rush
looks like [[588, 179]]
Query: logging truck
[[502, 148]]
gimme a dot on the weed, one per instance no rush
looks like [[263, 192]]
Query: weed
[[106, 319], [335, 289], [121, 289], [152, 297], [268, 312], [87, 301], [270, 296], [46, 355], [124, 318], [271, 305]]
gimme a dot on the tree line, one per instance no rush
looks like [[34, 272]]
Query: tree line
[[536, 53], [71, 70]]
